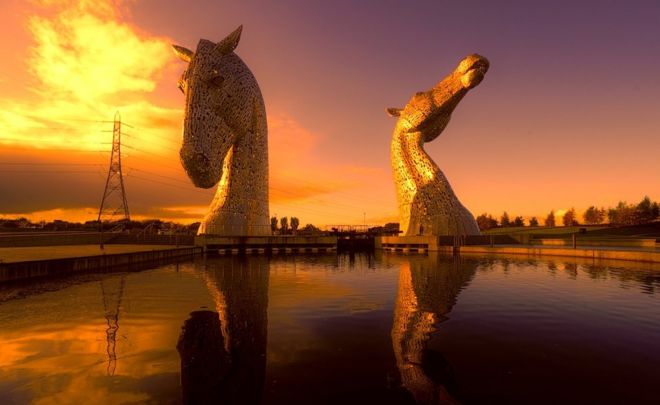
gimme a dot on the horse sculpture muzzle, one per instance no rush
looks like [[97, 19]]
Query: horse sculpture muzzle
[[199, 168]]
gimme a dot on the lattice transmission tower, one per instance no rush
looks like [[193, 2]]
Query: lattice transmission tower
[[113, 203]]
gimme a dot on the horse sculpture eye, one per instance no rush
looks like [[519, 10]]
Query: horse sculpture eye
[[181, 85], [217, 80]]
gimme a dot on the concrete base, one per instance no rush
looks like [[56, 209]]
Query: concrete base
[[132, 260], [595, 253], [606, 242], [423, 244], [416, 244], [266, 244]]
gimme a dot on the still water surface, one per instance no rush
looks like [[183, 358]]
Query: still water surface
[[338, 329]]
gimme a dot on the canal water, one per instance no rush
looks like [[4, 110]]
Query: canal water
[[337, 329]]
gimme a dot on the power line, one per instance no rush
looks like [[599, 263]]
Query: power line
[[62, 119], [160, 175], [207, 193], [296, 206], [48, 171], [58, 149], [296, 179], [334, 205], [184, 183], [158, 163], [160, 139], [147, 152], [272, 188], [314, 186], [47, 164]]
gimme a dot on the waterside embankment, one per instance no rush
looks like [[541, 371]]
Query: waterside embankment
[[39, 262], [423, 244]]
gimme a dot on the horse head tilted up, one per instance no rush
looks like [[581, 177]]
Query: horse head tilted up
[[427, 203], [225, 137]]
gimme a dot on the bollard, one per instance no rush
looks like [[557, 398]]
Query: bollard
[[574, 241]]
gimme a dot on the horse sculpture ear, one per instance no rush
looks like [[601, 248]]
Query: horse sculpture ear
[[230, 42], [394, 112], [184, 54]]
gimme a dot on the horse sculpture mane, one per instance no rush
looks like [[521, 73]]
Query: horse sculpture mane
[[427, 203], [225, 137]]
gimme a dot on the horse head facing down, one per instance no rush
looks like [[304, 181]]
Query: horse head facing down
[[225, 135], [218, 101]]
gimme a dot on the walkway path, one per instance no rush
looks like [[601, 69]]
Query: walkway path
[[24, 254], [651, 255]]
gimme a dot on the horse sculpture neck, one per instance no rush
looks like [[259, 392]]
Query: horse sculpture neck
[[417, 175], [240, 204]]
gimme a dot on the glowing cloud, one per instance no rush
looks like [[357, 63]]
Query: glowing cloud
[[86, 64], [85, 61]]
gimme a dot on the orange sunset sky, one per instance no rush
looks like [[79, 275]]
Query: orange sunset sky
[[568, 114]]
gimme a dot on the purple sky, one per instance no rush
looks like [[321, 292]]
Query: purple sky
[[568, 114]]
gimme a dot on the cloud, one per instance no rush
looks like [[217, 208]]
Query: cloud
[[80, 55], [86, 64], [306, 184], [70, 214], [184, 215], [297, 168]]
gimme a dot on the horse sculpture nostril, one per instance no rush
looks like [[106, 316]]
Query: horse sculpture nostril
[[195, 163], [201, 161]]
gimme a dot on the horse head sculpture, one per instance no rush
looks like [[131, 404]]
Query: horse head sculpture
[[427, 203], [225, 137]]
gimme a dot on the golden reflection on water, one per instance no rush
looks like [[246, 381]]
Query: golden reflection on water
[[58, 347], [113, 339], [428, 290]]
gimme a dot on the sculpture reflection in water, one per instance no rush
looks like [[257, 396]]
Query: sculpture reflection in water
[[112, 297], [428, 289], [223, 352]]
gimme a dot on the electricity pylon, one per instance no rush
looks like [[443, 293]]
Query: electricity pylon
[[114, 202]]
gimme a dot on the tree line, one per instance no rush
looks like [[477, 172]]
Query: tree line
[[154, 225], [644, 212], [290, 227]]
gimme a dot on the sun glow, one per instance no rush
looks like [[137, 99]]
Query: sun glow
[[86, 64], [84, 60]]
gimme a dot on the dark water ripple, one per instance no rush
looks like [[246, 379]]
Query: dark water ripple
[[327, 329]]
